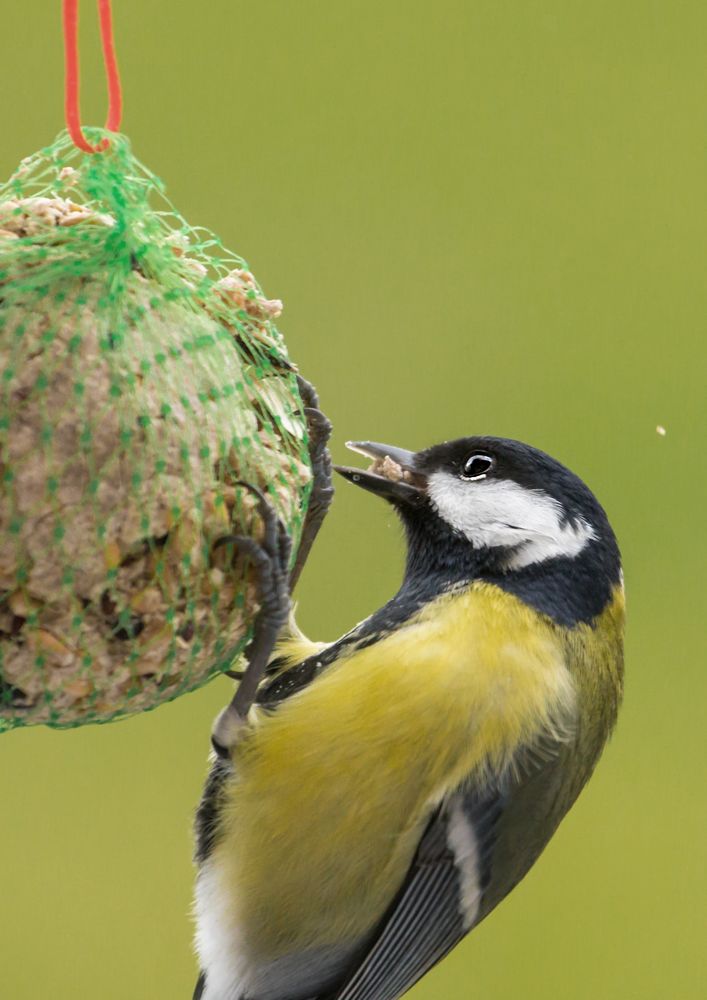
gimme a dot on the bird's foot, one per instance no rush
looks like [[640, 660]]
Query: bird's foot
[[270, 559], [319, 432]]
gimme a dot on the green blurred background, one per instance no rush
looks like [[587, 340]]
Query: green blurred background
[[483, 217]]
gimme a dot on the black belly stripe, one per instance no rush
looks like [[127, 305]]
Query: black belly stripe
[[206, 821]]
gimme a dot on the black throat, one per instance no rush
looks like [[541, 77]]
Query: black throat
[[569, 590]]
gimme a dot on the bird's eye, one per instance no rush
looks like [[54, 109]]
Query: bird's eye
[[477, 467]]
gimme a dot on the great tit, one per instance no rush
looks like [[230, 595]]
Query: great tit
[[393, 786]]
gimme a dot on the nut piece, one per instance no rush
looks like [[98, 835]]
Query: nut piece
[[389, 469]]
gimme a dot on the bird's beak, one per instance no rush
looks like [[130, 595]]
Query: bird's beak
[[393, 474]]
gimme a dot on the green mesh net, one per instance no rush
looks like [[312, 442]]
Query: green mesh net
[[142, 379]]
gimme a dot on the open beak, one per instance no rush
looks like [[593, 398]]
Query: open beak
[[393, 474]]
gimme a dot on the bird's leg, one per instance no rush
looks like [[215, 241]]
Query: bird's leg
[[319, 431], [270, 559]]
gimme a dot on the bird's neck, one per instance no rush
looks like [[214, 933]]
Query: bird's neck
[[436, 558], [569, 590]]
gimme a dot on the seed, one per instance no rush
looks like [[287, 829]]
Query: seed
[[21, 604], [78, 688], [111, 555], [147, 601], [54, 649]]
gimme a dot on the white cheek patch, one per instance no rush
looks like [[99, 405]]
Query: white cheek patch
[[501, 514]]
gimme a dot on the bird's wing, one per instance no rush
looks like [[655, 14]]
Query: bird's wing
[[438, 903], [294, 667]]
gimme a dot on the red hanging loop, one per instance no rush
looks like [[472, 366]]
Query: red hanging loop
[[71, 88]]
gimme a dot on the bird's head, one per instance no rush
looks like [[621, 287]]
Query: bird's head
[[499, 504]]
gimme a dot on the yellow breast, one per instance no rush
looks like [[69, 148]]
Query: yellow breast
[[333, 789]]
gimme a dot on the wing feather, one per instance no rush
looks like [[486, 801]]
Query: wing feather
[[427, 919]]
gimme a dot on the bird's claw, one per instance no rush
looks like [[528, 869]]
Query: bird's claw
[[271, 560], [318, 434]]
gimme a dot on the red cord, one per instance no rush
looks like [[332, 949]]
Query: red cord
[[71, 91]]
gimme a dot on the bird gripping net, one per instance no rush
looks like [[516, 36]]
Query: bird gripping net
[[142, 382]]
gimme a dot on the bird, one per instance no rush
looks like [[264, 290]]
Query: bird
[[393, 786]]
